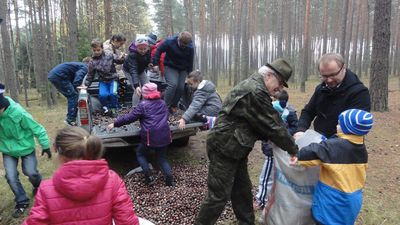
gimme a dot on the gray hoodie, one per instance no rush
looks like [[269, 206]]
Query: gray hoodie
[[205, 101]]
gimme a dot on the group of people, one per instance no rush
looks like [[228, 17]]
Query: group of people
[[339, 108], [84, 189]]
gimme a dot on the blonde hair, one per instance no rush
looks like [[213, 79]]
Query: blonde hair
[[76, 143]]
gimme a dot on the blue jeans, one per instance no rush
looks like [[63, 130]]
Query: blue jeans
[[175, 80], [29, 168], [141, 152], [108, 93], [66, 88]]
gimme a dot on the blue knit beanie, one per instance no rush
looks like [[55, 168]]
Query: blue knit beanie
[[356, 121]]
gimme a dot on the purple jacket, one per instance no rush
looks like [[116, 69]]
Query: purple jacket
[[153, 116]]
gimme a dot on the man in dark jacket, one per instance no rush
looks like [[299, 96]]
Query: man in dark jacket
[[205, 101], [66, 77], [340, 90], [247, 115], [178, 62]]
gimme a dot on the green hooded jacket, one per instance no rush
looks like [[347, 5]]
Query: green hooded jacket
[[17, 131], [247, 115]]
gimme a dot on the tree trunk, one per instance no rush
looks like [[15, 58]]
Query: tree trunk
[[357, 15], [9, 71], [343, 31], [245, 42], [237, 42], [107, 18], [305, 48], [349, 32], [380, 56], [72, 32], [325, 28]]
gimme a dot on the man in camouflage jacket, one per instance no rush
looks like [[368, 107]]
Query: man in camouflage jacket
[[247, 115]]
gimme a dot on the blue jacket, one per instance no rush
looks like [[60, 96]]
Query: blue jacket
[[176, 57], [153, 116], [72, 71]]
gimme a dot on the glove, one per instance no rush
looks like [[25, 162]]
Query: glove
[[47, 151]]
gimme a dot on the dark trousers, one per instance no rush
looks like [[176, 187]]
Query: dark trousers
[[66, 88], [228, 179]]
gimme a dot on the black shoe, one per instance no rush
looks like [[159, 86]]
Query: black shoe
[[169, 181], [19, 210], [71, 122], [148, 179]]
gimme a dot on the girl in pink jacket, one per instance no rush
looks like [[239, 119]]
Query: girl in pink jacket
[[83, 190]]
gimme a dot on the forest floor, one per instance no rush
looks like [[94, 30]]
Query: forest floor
[[381, 194]]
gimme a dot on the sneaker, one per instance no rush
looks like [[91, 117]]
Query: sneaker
[[148, 179], [71, 122], [114, 112], [106, 111], [19, 210]]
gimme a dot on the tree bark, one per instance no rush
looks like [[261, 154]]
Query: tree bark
[[305, 48], [343, 31], [72, 31], [10, 78], [107, 18], [380, 56]]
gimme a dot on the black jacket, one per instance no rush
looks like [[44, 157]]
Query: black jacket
[[135, 65], [326, 104]]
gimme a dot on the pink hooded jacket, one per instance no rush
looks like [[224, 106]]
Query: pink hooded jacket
[[83, 192]]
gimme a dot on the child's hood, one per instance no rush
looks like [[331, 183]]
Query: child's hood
[[81, 179]]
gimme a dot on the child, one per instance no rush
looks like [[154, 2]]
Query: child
[[17, 132], [288, 115], [83, 190], [102, 63], [338, 194], [135, 66], [205, 101], [155, 133]]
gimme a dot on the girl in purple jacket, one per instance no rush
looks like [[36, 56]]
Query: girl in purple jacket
[[155, 134]]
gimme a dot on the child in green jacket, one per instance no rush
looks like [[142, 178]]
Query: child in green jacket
[[17, 132]]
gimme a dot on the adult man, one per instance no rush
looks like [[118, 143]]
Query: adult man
[[178, 62], [66, 77], [205, 99], [247, 115], [340, 90]]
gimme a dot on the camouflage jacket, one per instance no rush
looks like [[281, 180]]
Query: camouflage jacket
[[104, 67], [247, 115]]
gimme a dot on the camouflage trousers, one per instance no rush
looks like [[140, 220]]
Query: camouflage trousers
[[228, 179]]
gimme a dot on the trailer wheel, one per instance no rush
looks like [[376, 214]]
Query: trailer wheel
[[180, 142]]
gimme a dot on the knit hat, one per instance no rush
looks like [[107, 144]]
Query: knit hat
[[152, 38], [3, 101], [141, 41], [149, 91], [356, 121]]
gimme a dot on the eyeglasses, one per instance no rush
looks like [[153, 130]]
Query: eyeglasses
[[327, 76], [280, 80]]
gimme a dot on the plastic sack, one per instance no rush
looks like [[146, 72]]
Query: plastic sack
[[289, 201]]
